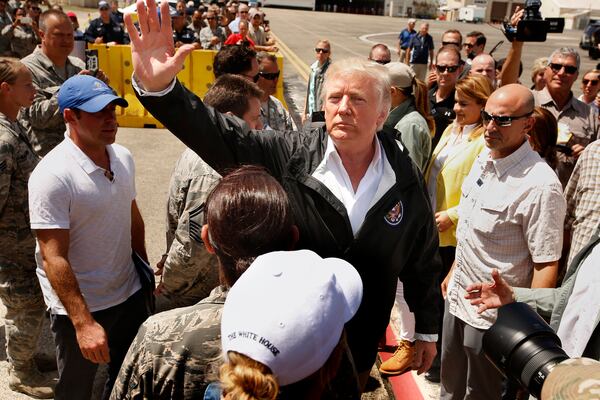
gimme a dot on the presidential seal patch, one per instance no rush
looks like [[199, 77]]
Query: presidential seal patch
[[394, 216]]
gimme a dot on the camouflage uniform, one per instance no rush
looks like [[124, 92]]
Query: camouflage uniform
[[43, 116], [22, 39], [577, 379], [5, 20], [175, 354], [274, 115], [19, 287], [190, 272]]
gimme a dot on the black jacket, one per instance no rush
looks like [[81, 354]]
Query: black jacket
[[397, 239], [111, 32]]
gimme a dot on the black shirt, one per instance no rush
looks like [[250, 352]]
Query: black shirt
[[443, 114], [110, 32], [185, 36]]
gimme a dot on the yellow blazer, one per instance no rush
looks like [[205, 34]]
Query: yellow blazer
[[451, 176]]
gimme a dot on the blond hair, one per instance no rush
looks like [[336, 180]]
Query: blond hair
[[539, 65], [243, 378], [9, 69], [477, 88]]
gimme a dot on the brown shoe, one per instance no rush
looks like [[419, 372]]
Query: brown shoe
[[31, 383], [401, 361]]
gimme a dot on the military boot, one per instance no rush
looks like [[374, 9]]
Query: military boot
[[401, 361], [30, 382]]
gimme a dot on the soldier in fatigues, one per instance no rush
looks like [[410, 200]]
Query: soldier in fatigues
[[19, 287], [51, 65], [189, 272], [175, 353], [574, 379]]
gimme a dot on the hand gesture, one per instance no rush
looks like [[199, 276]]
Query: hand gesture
[[443, 221], [93, 342], [487, 295], [155, 62], [424, 354]]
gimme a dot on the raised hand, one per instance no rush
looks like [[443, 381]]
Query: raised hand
[[155, 61], [486, 295]]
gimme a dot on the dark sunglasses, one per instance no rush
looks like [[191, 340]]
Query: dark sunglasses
[[450, 43], [443, 68], [569, 69], [270, 76], [210, 18], [382, 62], [500, 120], [594, 82], [320, 50]]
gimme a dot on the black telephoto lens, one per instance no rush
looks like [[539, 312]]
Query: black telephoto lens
[[523, 346]]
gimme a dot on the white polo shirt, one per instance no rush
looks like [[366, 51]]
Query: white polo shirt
[[67, 190]]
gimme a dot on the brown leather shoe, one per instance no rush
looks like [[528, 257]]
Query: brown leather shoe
[[401, 361]]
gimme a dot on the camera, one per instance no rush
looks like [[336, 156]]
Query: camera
[[522, 346], [532, 28]]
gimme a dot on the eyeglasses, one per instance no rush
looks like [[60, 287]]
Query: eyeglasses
[[254, 78], [210, 18], [468, 45], [243, 12], [450, 43], [270, 76], [443, 68], [569, 69], [501, 120], [382, 62], [592, 82], [320, 50]]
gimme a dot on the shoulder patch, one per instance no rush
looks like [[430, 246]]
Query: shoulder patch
[[394, 216]]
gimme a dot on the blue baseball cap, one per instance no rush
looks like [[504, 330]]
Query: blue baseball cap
[[86, 93]]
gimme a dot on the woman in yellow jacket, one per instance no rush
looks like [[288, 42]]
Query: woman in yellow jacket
[[451, 161]]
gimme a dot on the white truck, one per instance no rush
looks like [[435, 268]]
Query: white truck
[[471, 14]]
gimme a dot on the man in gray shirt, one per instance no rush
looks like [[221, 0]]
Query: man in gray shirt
[[213, 35]]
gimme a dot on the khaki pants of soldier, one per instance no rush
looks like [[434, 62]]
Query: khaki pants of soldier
[[402, 56], [22, 296]]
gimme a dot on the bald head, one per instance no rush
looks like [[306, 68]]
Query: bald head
[[485, 65], [505, 135], [517, 98]]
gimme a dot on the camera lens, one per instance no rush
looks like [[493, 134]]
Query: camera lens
[[522, 346]]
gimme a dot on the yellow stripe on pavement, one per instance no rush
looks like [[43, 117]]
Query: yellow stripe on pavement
[[302, 69]]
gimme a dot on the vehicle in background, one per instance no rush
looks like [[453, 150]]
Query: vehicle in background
[[588, 33], [471, 14], [300, 4]]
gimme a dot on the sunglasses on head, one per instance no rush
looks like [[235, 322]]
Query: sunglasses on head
[[500, 120], [556, 67], [443, 68], [593, 82], [270, 76], [320, 50]]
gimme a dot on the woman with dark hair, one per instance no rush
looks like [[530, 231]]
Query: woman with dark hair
[[247, 214], [543, 136]]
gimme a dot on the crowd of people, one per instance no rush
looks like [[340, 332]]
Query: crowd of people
[[438, 182]]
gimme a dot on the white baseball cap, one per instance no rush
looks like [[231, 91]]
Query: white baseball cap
[[288, 310], [401, 75]]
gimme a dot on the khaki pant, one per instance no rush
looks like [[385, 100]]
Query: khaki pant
[[421, 71]]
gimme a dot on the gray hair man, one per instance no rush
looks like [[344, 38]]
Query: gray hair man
[[577, 121], [348, 183]]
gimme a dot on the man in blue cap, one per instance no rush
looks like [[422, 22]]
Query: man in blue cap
[[83, 211]]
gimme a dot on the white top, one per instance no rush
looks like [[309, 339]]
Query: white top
[[67, 190], [580, 316], [333, 175], [510, 216]]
